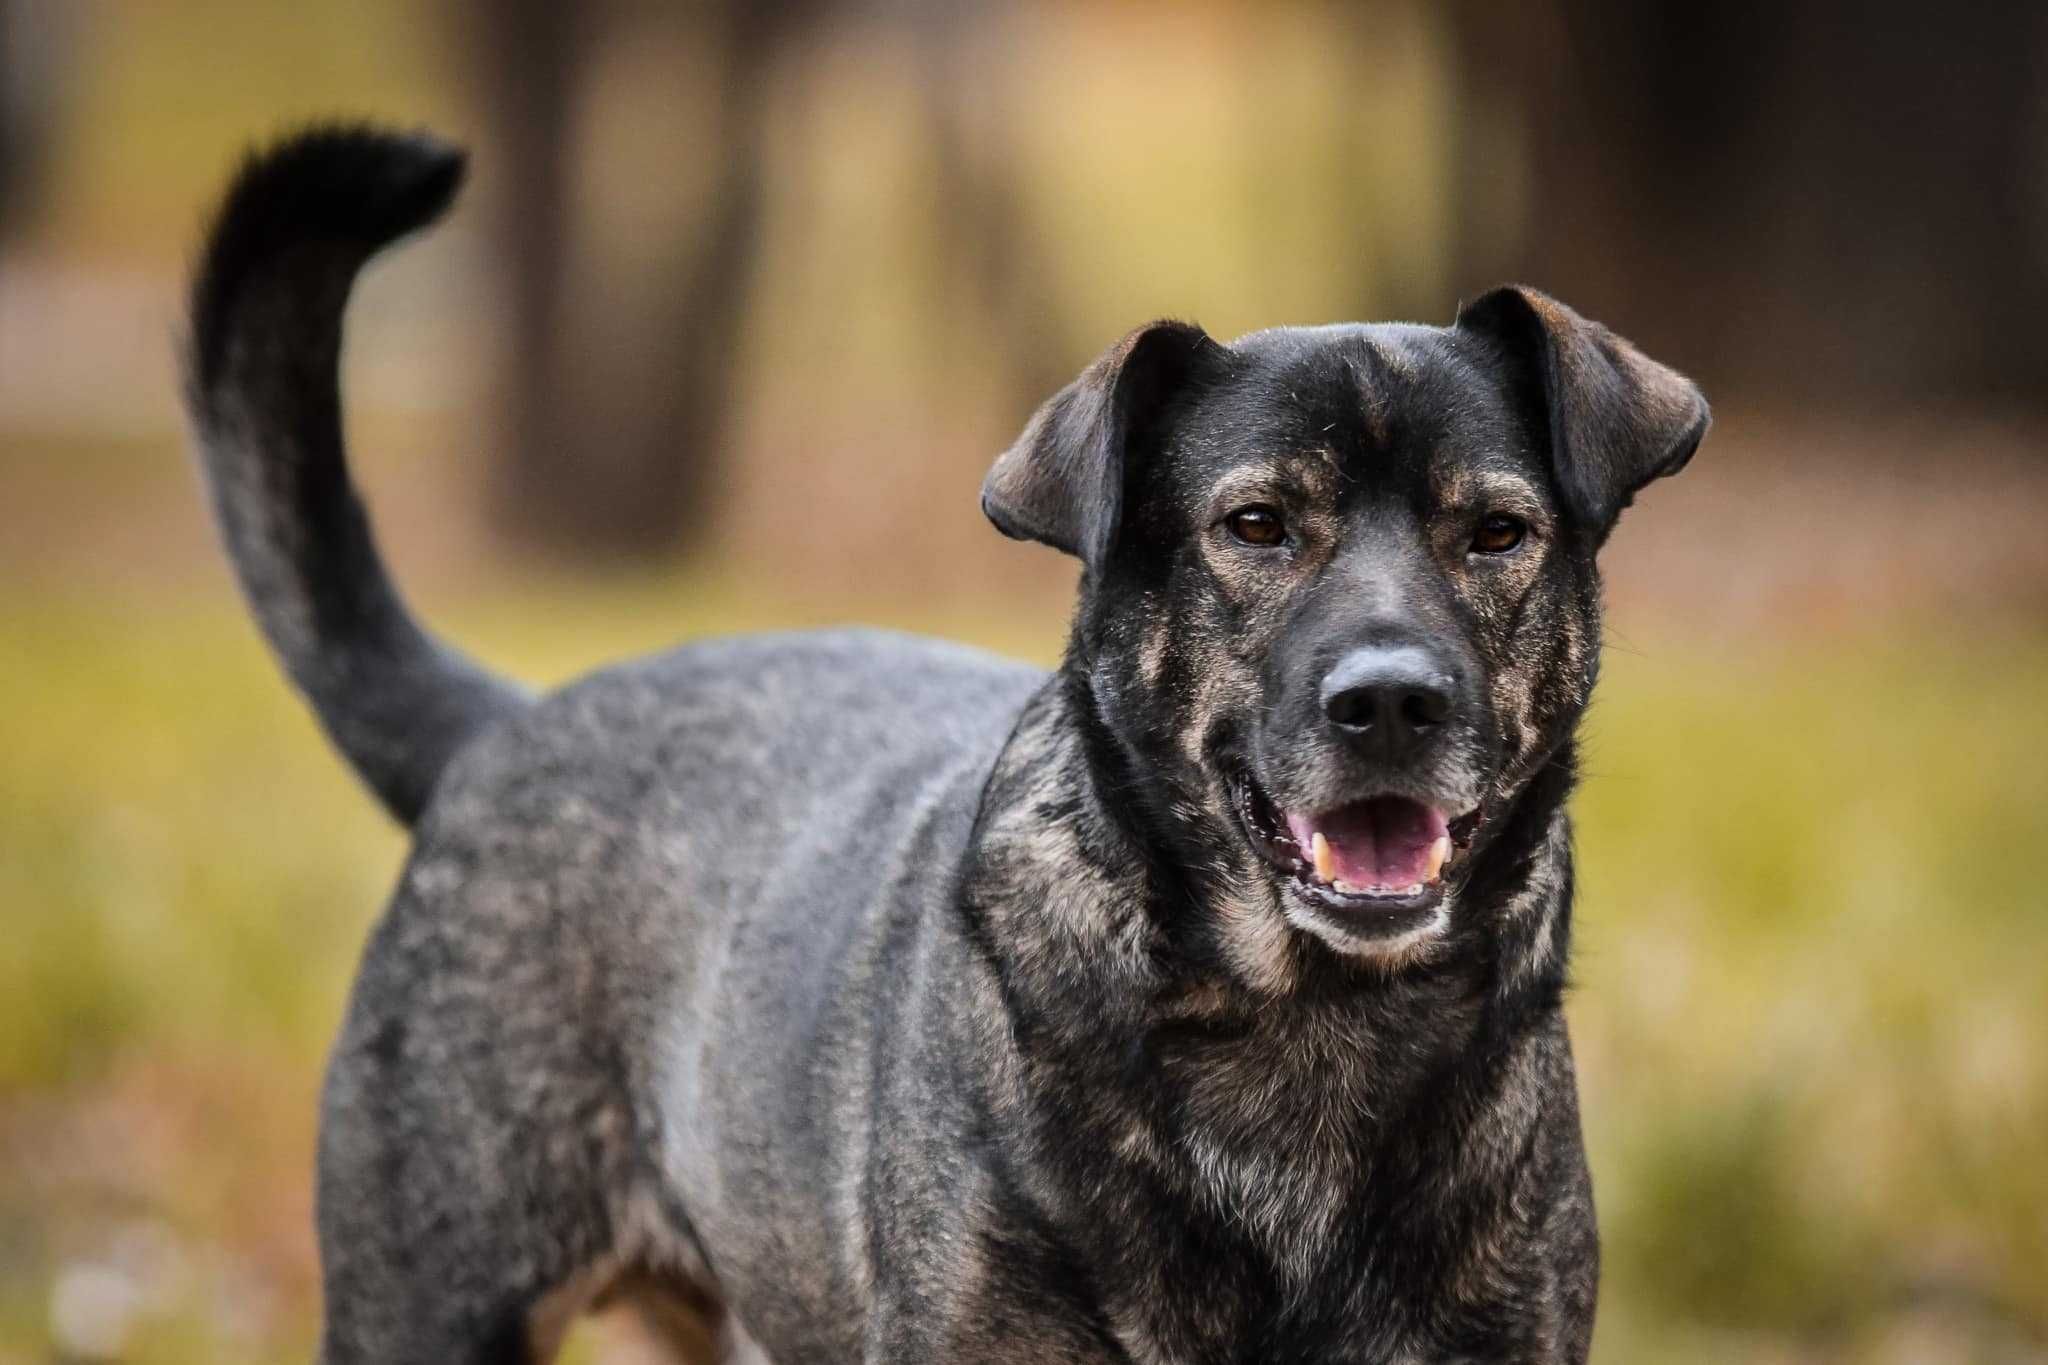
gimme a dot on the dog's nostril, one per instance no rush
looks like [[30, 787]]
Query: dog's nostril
[[1426, 708], [1352, 709]]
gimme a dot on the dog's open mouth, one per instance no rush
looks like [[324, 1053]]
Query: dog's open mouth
[[1381, 852]]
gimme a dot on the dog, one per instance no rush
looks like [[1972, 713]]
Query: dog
[[856, 997]]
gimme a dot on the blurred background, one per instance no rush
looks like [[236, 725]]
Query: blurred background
[[744, 296]]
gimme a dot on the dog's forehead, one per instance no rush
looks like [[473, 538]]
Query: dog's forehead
[[1392, 400]]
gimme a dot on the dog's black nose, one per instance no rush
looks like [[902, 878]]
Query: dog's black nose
[[1393, 697]]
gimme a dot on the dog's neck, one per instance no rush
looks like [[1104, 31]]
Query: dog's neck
[[1140, 1040]]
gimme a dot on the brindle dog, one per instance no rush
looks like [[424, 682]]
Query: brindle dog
[[873, 999]]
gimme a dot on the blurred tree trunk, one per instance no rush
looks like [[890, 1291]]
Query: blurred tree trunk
[[702, 305], [1845, 199], [528, 62], [596, 466], [978, 198], [35, 49]]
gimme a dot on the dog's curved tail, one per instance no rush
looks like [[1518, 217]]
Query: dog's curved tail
[[262, 387]]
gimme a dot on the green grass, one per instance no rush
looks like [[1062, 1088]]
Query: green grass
[[1810, 1011]]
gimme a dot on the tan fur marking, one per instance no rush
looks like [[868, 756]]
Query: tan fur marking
[[1152, 651], [549, 1319], [1255, 939], [1495, 489], [1546, 882]]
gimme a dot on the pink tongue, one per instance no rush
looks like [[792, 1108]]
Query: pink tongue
[[1382, 842]]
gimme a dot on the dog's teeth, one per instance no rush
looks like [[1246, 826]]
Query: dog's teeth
[[1414, 890], [1346, 889], [1438, 852], [1319, 850]]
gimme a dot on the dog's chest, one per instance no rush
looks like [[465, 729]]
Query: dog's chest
[[1313, 1195]]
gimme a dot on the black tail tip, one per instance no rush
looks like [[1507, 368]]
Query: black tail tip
[[355, 182], [346, 189]]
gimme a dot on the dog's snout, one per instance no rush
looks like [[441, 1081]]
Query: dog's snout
[[1394, 696]]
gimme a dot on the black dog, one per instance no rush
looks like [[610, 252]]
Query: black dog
[[877, 1000]]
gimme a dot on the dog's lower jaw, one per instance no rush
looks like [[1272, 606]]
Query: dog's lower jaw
[[1398, 940]]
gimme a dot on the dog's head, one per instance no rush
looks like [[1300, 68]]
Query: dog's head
[[1339, 599]]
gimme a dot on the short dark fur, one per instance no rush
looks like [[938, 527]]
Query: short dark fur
[[874, 999]]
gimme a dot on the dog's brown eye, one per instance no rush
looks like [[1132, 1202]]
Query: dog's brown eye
[[1259, 525], [1498, 535]]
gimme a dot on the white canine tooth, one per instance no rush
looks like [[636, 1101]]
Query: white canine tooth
[[1345, 888], [1319, 850], [1414, 890], [1438, 852]]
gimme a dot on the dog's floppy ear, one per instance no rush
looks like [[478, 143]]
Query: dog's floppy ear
[[1618, 419], [1062, 483]]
